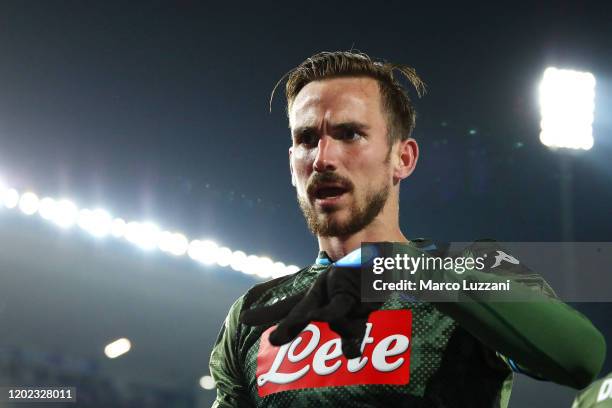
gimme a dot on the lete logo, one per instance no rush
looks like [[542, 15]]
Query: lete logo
[[314, 358]]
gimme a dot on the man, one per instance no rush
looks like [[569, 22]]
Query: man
[[351, 123]]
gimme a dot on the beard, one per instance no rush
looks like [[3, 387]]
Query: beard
[[359, 218]]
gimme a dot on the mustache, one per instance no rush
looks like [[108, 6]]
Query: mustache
[[319, 179]]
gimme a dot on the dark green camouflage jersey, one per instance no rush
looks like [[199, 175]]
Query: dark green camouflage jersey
[[596, 395], [412, 356]]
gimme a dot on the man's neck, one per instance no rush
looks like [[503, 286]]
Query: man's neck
[[338, 247]]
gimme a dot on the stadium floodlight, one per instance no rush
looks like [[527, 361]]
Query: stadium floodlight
[[101, 222], [173, 243], [203, 251], [278, 269], [29, 203], [180, 244], [10, 198], [291, 269], [97, 222], [143, 234], [146, 235], [567, 106], [117, 348], [238, 262], [84, 218], [165, 241], [194, 249], [118, 227], [252, 265], [207, 382], [224, 256], [65, 213], [46, 208], [265, 267]]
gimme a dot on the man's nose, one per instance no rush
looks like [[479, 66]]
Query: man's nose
[[327, 154]]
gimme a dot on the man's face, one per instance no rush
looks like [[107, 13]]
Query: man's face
[[340, 154]]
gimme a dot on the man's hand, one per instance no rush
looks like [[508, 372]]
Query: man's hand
[[334, 297]]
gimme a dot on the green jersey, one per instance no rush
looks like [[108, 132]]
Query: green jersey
[[596, 395], [442, 365], [413, 354]]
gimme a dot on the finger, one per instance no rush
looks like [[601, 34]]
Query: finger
[[349, 328], [351, 347], [296, 320], [339, 306], [352, 332], [286, 332], [272, 313]]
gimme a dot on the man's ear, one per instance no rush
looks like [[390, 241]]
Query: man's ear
[[407, 156], [291, 167]]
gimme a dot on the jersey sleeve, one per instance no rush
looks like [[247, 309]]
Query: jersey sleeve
[[528, 280], [518, 273], [225, 365], [596, 395], [539, 333]]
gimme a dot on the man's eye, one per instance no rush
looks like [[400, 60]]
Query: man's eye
[[308, 138], [350, 134]]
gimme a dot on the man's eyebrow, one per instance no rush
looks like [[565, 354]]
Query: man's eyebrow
[[351, 124], [302, 129]]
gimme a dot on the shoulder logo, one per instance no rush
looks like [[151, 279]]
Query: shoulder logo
[[502, 256]]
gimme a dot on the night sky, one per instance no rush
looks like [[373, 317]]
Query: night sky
[[159, 110]]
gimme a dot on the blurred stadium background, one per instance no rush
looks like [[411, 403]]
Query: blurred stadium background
[[157, 112]]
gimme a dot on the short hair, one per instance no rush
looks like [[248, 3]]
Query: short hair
[[401, 116]]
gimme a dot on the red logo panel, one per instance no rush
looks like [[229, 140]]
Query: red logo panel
[[314, 359]]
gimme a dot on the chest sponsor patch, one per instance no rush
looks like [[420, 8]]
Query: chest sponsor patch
[[314, 359]]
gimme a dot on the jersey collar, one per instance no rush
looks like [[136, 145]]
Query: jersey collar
[[352, 259]]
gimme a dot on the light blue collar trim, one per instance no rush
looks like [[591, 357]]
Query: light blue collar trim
[[323, 261], [351, 260]]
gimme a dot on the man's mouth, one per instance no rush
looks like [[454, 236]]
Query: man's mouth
[[329, 194]]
